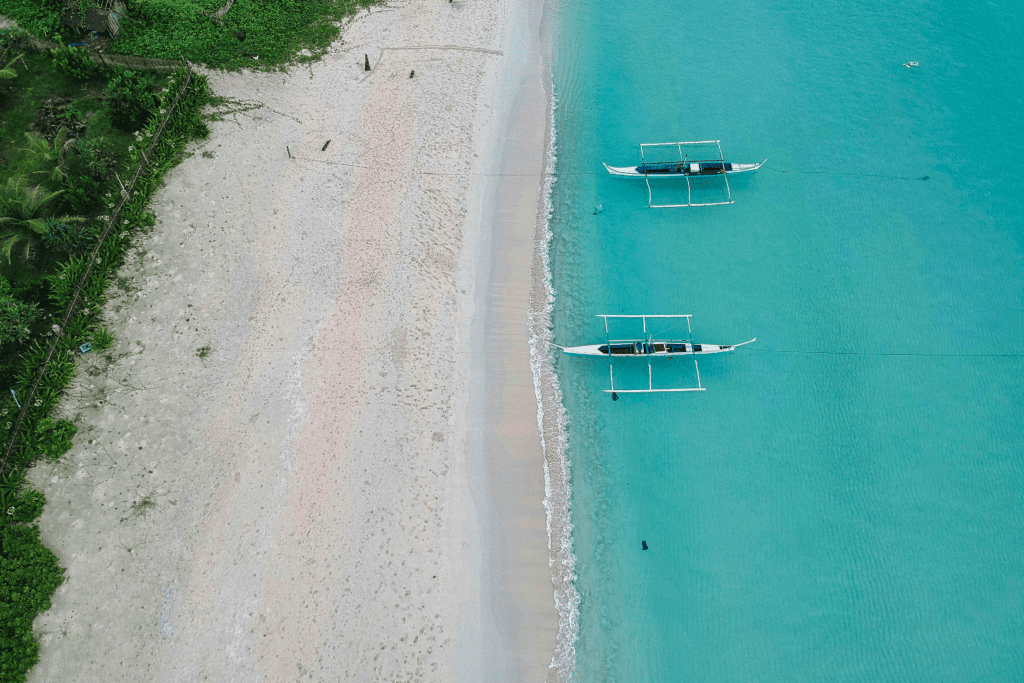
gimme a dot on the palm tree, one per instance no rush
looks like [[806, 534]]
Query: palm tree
[[8, 71], [47, 152], [23, 216]]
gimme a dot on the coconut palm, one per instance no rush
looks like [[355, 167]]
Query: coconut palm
[[23, 216], [48, 152], [8, 72]]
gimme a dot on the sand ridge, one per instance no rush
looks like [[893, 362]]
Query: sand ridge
[[293, 503]]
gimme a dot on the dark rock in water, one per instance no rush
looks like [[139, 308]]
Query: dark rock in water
[[644, 543]]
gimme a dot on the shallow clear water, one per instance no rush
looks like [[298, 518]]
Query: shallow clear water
[[845, 500]]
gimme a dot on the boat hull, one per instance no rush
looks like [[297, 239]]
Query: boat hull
[[684, 170], [644, 349]]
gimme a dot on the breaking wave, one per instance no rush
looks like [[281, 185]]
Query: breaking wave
[[552, 421]]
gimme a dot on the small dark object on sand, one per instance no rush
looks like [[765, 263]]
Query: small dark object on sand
[[241, 35], [325, 145], [644, 544], [367, 62], [412, 73], [289, 151]]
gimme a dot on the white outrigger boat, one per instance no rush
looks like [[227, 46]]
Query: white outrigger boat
[[649, 348], [683, 167]]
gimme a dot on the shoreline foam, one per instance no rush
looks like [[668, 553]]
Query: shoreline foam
[[552, 421]]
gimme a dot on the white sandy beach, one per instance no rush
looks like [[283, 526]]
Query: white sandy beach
[[348, 485]]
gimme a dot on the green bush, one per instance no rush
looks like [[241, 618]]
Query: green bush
[[27, 507], [63, 236], [89, 164], [103, 339], [29, 575], [76, 63], [16, 317], [131, 96], [53, 439]]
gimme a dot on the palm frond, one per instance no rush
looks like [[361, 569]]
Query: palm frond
[[8, 72]]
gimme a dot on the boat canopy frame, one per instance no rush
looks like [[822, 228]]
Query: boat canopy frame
[[650, 375], [683, 159]]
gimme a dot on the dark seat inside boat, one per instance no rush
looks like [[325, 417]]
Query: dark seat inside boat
[[660, 168], [676, 348], [622, 349], [696, 348]]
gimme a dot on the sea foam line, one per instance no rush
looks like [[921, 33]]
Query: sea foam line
[[552, 421]]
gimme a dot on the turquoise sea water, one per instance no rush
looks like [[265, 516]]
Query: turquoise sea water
[[852, 515]]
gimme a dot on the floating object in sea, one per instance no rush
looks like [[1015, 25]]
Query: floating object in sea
[[911, 65], [598, 209], [683, 167], [649, 348], [644, 544], [924, 177]]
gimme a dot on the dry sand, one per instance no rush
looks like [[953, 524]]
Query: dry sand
[[314, 452]]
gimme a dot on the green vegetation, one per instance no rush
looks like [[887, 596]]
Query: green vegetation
[[103, 339], [275, 31], [61, 145], [75, 62], [23, 216], [29, 574], [16, 317], [131, 96], [68, 126]]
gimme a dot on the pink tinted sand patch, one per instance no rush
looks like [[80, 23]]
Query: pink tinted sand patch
[[315, 508]]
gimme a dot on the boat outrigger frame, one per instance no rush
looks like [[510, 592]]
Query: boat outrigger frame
[[685, 167], [665, 349]]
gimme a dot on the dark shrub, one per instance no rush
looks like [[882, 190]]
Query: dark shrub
[[89, 166], [16, 316], [66, 236], [131, 96]]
